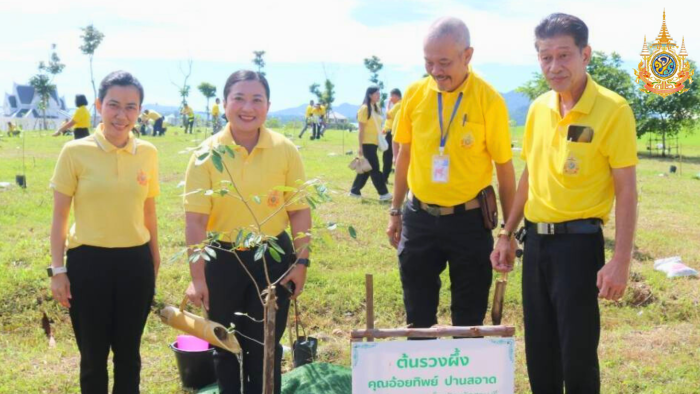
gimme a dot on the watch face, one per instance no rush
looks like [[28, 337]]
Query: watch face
[[49, 271]]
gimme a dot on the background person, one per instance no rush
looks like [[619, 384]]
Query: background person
[[80, 120], [388, 155], [188, 113], [264, 160], [111, 179], [158, 129], [308, 117], [369, 117]]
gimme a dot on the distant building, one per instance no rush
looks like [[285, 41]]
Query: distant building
[[336, 118], [21, 106]]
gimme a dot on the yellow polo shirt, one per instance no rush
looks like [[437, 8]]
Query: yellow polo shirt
[[153, 115], [372, 125], [274, 162], [109, 186], [215, 110], [309, 111], [573, 180], [187, 111], [390, 116], [81, 117], [479, 136]]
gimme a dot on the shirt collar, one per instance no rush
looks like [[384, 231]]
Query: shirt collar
[[107, 146], [461, 88], [585, 103], [226, 138]]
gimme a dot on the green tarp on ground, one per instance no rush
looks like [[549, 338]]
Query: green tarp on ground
[[315, 378]]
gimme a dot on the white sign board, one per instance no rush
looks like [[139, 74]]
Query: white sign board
[[445, 366]]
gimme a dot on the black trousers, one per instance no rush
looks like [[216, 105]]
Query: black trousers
[[316, 131], [112, 291], [388, 158], [306, 126], [231, 290], [189, 124], [370, 153], [562, 319], [80, 132], [427, 244], [158, 127]]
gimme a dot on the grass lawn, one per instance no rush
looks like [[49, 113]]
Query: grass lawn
[[650, 341]]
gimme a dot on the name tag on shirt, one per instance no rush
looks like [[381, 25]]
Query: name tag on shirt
[[441, 168]]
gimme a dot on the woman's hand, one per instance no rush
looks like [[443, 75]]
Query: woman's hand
[[198, 293], [298, 276], [60, 288]]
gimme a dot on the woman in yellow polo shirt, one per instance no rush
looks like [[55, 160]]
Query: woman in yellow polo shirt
[[80, 120], [369, 118], [264, 161], [111, 179]]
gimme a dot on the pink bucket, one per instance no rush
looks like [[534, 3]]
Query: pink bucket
[[189, 343]]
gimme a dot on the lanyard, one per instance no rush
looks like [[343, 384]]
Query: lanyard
[[445, 133]]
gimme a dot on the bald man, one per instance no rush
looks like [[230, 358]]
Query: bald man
[[452, 128]]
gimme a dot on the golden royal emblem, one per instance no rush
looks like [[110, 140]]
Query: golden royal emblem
[[571, 165], [663, 70], [468, 140]]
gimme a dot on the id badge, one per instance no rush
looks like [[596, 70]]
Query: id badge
[[441, 168]]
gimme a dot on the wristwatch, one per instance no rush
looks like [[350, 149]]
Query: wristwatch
[[304, 262], [395, 212], [506, 233], [53, 271]]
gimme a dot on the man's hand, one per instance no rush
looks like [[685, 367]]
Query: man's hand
[[503, 254], [60, 288], [394, 230], [612, 279]]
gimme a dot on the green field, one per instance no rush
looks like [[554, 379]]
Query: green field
[[650, 341]]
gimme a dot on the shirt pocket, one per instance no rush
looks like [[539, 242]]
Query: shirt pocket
[[470, 138], [574, 160]]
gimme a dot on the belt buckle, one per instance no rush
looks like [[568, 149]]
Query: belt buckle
[[435, 211], [545, 228]]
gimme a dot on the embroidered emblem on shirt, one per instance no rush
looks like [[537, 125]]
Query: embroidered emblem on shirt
[[571, 165], [273, 199], [142, 178], [468, 141]]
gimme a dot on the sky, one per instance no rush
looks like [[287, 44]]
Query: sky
[[306, 41]]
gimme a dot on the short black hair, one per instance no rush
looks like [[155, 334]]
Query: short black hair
[[246, 75], [559, 24], [80, 100], [396, 92], [119, 78]]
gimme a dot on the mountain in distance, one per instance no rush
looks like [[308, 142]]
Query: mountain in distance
[[517, 103]]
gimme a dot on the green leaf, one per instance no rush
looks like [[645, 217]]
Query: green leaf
[[208, 192], [311, 202], [260, 252], [230, 152], [239, 238], [201, 158], [275, 246], [217, 161], [352, 232], [275, 255], [221, 149], [177, 256], [256, 199], [284, 188], [205, 256], [211, 252]]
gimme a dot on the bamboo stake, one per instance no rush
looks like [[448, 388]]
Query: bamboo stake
[[369, 295], [269, 340], [436, 332]]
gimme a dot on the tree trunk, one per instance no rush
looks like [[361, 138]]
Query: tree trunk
[[270, 342], [43, 115], [94, 95], [663, 143]]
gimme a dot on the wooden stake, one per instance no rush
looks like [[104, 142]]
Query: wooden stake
[[436, 332], [269, 340], [369, 303]]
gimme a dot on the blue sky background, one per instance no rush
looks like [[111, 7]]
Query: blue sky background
[[305, 37]]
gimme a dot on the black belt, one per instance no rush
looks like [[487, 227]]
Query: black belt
[[581, 226]]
